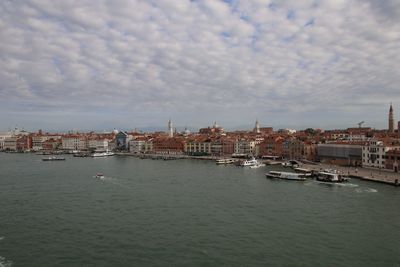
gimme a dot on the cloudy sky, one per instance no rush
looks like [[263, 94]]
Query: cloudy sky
[[84, 64]]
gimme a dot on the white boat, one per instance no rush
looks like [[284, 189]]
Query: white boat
[[290, 163], [99, 175], [286, 164], [257, 165], [224, 161], [331, 176], [249, 162], [306, 172], [286, 175], [106, 153]]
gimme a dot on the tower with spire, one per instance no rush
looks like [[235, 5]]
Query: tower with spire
[[257, 127], [391, 120], [170, 129]]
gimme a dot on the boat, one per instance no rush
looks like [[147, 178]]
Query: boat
[[258, 165], [99, 175], [169, 158], [286, 175], [290, 163], [52, 159], [306, 172], [224, 161], [331, 176], [81, 155], [106, 153], [249, 162]]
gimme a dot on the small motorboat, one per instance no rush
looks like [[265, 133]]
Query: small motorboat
[[54, 158], [258, 165], [99, 175]]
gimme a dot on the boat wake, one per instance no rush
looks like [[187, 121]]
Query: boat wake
[[337, 184], [1, 238], [108, 179], [348, 185], [4, 262], [366, 190]]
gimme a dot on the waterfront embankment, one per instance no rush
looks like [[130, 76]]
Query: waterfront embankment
[[369, 174]]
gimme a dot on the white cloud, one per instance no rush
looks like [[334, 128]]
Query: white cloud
[[197, 61]]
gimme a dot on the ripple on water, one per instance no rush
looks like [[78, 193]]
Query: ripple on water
[[4, 262], [366, 190]]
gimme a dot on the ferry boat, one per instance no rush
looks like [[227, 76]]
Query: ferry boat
[[224, 161], [306, 172], [106, 153], [249, 162], [286, 175], [331, 176], [53, 159]]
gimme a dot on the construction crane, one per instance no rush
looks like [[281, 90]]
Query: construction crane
[[360, 123]]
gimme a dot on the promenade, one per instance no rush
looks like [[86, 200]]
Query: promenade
[[369, 174], [375, 175]]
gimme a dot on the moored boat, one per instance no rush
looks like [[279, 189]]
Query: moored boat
[[249, 162], [53, 159], [224, 161], [306, 172], [106, 153], [286, 175], [81, 155], [258, 165], [291, 163]]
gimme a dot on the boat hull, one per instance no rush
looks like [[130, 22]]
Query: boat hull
[[56, 159], [285, 176]]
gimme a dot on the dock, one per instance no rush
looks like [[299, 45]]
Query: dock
[[367, 174]]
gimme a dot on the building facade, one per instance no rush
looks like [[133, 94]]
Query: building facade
[[374, 153], [345, 154], [392, 160]]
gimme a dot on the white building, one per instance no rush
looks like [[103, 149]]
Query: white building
[[99, 144], [3, 136], [374, 154], [137, 146], [73, 142], [39, 139], [10, 143], [197, 146], [245, 147]]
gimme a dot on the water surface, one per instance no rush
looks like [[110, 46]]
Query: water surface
[[187, 213]]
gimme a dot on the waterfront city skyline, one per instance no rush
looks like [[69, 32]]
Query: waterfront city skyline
[[134, 64]]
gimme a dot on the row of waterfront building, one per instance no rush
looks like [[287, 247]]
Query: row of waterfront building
[[360, 146]]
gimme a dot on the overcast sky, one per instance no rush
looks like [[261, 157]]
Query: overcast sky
[[84, 64]]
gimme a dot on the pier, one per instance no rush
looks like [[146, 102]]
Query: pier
[[368, 174]]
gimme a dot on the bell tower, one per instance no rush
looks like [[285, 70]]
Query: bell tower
[[391, 120], [170, 130]]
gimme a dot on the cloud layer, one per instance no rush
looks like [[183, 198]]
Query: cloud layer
[[134, 63]]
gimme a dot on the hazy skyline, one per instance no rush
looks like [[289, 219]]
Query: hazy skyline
[[134, 64]]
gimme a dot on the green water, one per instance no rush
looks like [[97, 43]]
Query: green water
[[187, 213]]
